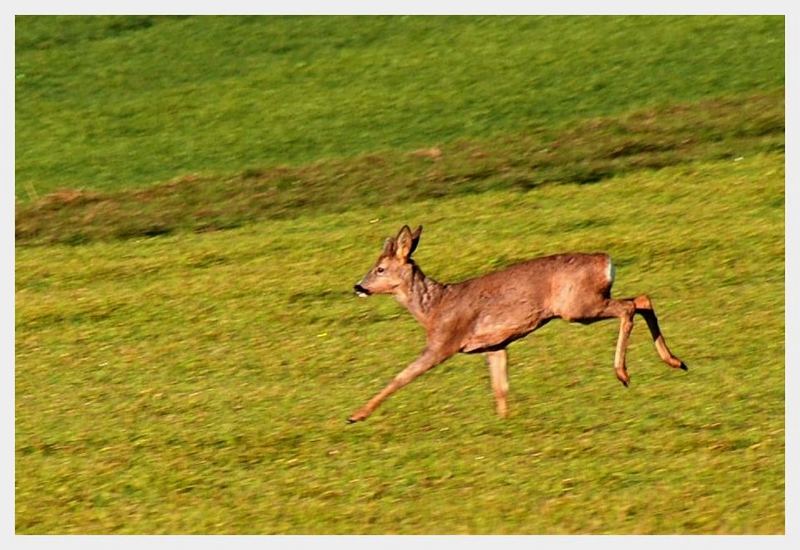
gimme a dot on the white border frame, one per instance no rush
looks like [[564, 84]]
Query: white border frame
[[466, 7]]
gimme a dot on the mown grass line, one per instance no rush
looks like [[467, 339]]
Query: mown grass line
[[588, 152]]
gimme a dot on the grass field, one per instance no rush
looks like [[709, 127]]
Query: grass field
[[187, 342], [109, 103]]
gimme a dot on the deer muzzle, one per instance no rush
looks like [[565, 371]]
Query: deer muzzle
[[361, 291]]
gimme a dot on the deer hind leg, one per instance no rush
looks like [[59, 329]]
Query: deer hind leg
[[644, 307], [624, 311], [498, 368]]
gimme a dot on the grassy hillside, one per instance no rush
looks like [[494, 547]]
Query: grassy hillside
[[108, 103], [199, 383]]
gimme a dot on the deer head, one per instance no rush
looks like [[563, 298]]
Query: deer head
[[394, 267]]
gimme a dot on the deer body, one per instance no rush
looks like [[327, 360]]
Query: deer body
[[493, 310], [485, 314]]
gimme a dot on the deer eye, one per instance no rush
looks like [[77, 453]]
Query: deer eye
[[380, 270]]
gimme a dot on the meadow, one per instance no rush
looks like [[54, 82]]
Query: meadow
[[187, 342], [105, 103]]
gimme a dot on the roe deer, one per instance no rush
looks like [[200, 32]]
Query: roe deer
[[487, 313]]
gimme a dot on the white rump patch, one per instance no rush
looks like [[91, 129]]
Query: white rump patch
[[611, 271]]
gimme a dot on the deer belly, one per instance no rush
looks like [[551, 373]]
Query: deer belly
[[494, 331]]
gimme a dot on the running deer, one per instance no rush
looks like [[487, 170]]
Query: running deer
[[487, 313]]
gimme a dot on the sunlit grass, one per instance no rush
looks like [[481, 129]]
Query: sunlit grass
[[199, 383]]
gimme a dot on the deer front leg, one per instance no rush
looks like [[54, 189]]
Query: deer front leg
[[423, 363], [498, 368]]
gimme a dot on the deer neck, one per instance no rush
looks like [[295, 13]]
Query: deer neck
[[421, 295]]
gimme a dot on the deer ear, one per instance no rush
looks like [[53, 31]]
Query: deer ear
[[405, 243], [388, 247], [415, 239]]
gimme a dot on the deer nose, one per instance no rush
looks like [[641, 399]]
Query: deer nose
[[361, 291]]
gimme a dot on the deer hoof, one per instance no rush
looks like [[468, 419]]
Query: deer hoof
[[356, 417], [683, 366]]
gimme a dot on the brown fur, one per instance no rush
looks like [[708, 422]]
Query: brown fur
[[485, 314]]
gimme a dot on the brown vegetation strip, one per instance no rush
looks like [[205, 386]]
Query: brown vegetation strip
[[584, 153]]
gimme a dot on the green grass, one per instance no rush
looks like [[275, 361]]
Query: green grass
[[198, 383], [110, 103]]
